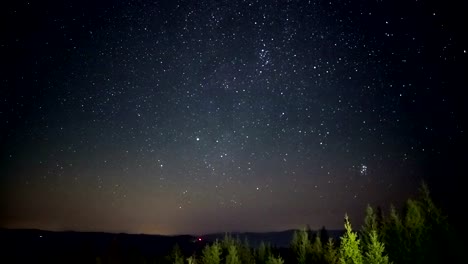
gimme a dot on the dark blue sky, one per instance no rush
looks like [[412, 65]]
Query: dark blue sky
[[201, 116]]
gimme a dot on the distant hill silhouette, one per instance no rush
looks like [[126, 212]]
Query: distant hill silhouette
[[39, 246], [24, 245]]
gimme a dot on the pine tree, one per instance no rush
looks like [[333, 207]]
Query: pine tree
[[393, 237], [176, 256], [274, 260], [262, 253], [227, 242], [211, 254], [373, 247], [330, 254], [317, 251], [439, 243], [192, 260], [232, 257], [245, 252], [375, 250], [350, 252], [380, 218], [323, 235], [434, 214], [370, 224], [415, 230], [301, 245]]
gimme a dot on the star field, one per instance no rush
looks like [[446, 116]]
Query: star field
[[202, 116]]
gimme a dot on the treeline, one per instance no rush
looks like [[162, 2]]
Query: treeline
[[416, 233]]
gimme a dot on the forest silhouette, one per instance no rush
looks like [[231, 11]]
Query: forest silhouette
[[419, 232]]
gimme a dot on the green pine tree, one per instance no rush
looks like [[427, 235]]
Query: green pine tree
[[211, 254], [192, 260], [370, 224], [227, 242], [232, 257], [433, 213], [262, 253], [245, 252], [350, 252], [301, 245], [317, 251], [274, 260], [330, 254], [415, 231], [375, 250], [393, 236]]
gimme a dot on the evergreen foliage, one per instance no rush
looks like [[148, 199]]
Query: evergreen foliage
[[373, 247], [330, 253], [393, 236], [192, 260], [316, 253], [262, 253], [245, 251], [211, 254], [419, 233], [301, 245], [232, 257], [370, 225], [274, 260], [415, 230], [416, 236], [375, 250], [433, 213], [176, 256], [350, 252], [227, 242]]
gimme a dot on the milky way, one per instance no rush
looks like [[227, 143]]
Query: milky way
[[202, 116]]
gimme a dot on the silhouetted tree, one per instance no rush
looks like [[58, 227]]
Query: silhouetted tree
[[393, 236], [310, 233], [379, 218], [114, 252], [420, 234], [434, 214], [323, 235], [176, 256], [427, 231]]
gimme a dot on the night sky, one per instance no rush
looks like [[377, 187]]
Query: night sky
[[171, 117]]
